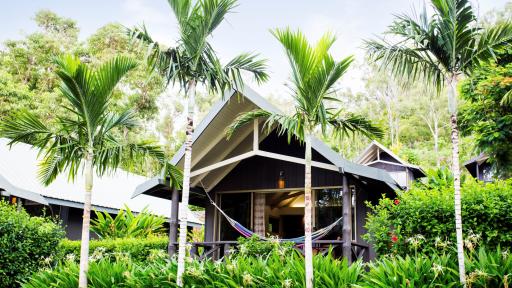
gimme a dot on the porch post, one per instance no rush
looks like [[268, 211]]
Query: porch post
[[173, 224], [259, 214], [347, 221]]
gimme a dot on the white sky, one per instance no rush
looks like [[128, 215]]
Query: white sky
[[246, 30]]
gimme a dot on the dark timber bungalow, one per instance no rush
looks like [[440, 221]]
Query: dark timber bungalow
[[258, 180]]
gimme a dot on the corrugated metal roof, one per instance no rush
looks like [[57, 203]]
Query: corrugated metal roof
[[19, 165], [11, 190]]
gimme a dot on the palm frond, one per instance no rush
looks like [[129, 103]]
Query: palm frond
[[124, 120], [351, 124], [25, 127], [292, 126], [108, 75], [406, 64], [491, 40], [245, 62], [245, 118], [181, 9], [111, 153], [173, 173]]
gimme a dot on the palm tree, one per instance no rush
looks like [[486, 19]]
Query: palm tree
[[193, 61], [86, 137], [314, 74], [440, 49]]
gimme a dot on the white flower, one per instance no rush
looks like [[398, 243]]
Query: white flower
[[438, 269], [71, 257], [247, 278], [287, 283], [243, 249]]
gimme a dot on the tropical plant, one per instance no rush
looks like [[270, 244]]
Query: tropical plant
[[440, 49], [193, 61], [126, 224], [139, 249], [26, 243], [489, 268], [314, 74], [438, 178], [487, 116], [86, 138], [421, 220]]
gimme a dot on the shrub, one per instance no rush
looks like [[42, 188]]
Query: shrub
[[138, 249], [422, 220], [127, 225], [254, 247], [26, 243], [485, 268]]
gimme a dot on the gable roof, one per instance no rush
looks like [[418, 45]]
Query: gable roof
[[210, 146], [18, 176], [369, 155]]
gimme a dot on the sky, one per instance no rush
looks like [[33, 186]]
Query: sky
[[246, 29]]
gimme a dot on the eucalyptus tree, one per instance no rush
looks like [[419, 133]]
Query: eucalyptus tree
[[440, 49], [314, 75], [192, 61], [86, 138]]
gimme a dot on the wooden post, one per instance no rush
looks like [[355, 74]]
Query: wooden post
[[347, 221], [173, 224]]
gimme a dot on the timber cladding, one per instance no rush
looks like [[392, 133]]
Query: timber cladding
[[263, 173]]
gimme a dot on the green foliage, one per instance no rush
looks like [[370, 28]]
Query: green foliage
[[254, 247], [421, 271], [285, 268], [136, 248], [483, 114], [438, 178], [193, 58], [127, 225], [26, 243], [314, 76], [422, 220]]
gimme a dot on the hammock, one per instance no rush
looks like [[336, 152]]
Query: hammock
[[248, 233]]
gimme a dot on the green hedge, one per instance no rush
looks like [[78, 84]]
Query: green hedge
[[138, 249], [422, 220], [26, 244]]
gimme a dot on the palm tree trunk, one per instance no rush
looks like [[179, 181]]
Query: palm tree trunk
[[347, 221], [84, 247], [191, 91], [308, 245], [452, 106], [436, 142]]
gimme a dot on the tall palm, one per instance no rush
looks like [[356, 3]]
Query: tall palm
[[314, 74], [440, 49], [85, 139], [193, 61]]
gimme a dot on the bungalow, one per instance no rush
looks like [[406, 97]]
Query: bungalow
[[480, 168], [19, 185], [378, 156], [257, 179]]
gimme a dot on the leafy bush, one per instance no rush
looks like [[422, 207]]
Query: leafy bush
[[422, 220], [438, 178], [26, 243], [485, 269], [127, 225], [233, 272], [254, 247], [138, 249]]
